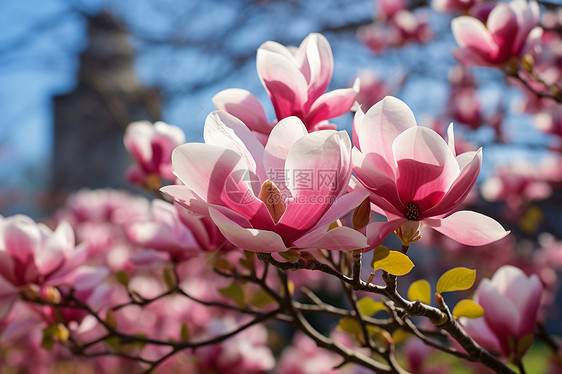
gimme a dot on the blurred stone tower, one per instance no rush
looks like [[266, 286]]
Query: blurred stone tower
[[89, 121]]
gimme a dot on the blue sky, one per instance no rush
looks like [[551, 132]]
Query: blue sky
[[45, 65]]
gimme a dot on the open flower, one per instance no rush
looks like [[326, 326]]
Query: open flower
[[296, 80], [33, 255], [415, 177], [269, 199], [510, 301], [151, 146], [503, 36]]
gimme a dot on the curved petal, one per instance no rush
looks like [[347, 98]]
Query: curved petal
[[469, 228], [330, 105], [21, 238], [247, 238], [339, 239], [383, 189], [426, 167], [224, 130], [318, 166], [461, 187], [59, 245], [479, 331], [471, 33], [284, 82], [379, 128], [243, 105], [502, 24], [316, 63], [378, 231], [282, 138], [219, 176], [499, 313]]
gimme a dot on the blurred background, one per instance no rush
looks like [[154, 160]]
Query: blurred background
[[75, 73]]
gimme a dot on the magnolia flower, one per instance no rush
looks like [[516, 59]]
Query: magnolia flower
[[269, 199], [296, 80], [510, 301], [502, 38], [166, 233], [33, 255], [415, 177], [151, 146]]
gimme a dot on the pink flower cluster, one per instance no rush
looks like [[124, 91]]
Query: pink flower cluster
[[395, 25]]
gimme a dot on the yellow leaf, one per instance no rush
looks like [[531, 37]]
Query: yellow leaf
[[420, 290], [184, 332], [369, 307], [400, 336], [351, 326], [467, 308], [456, 279], [393, 262]]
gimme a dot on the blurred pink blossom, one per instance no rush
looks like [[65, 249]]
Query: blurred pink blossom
[[33, 255], [151, 146], [503, 37]]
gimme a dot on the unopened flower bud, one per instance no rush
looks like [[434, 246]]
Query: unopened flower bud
[[30, 292], [362, 214], [409, 232], [51, 295]]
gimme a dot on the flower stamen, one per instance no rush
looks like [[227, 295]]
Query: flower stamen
[[412, 211], [271, 197]]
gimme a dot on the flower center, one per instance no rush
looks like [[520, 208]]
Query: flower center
[[271, 197], [412, 211]]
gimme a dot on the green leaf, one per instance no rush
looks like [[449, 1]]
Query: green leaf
[[467, 308], [248, 260], [393, 262], [169, 279], [261, 299], [524, 343], [122, 278], [110, 319], [420, 290], [222, 264], [184, 332], [234, 292], [368, 307], [456, 279]]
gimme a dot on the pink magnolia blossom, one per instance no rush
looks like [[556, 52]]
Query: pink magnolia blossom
[[503, 37], [151, 146], [32, 254], [296, 80], [165, 233], [415, 177], [510, 301], [269, 199]]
